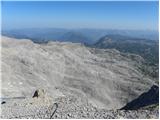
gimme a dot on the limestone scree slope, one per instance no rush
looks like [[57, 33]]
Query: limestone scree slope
[[107, 78]]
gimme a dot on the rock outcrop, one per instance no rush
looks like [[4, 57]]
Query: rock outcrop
[[40, 93]]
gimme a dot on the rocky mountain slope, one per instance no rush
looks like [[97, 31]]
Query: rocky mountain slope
[[146, 48], [105, 78]]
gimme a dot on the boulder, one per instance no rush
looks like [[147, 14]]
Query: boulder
[[3, 102], [40, 93]]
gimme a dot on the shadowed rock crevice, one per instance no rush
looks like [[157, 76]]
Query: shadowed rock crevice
[[148, 98]]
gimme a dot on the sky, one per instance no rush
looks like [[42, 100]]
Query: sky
[[64, 14]]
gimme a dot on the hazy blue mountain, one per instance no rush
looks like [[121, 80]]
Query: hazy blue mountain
[[75, 37], [54, 34], [88, 36], [96, 34], [35, 34]]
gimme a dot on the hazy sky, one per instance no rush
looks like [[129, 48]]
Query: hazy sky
[[106, 14]]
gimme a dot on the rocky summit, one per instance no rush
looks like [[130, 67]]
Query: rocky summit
[[86, 82]]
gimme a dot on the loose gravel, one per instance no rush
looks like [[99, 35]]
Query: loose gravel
[[70, 107]]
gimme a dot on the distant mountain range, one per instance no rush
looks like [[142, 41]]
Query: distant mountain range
[[86, 36], [146, 48], [74, 37]]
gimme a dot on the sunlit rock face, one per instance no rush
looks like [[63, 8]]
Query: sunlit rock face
[[107, 78]]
